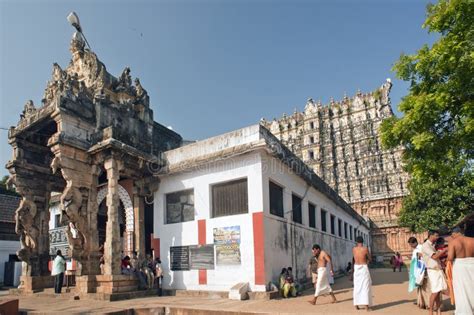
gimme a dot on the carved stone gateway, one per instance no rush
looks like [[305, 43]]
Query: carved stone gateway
[[90, 124]]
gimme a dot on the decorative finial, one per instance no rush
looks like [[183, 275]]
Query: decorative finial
[[345, 96]]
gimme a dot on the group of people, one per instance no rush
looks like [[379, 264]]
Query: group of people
[[288, 286], [147, 270], [437, 269], [322, 271]]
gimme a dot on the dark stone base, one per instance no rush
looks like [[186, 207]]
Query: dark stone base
[[106, 284], [33, 284]]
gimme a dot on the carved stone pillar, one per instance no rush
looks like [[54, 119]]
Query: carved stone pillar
[[32, 224], [112, 241], [139, 220], [33, 227], [91, 265], [78, 204]]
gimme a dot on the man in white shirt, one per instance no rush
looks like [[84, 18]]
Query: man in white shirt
[[435, 272], [59, 266]]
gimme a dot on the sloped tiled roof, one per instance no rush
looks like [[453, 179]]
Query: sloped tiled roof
[[8, 204]]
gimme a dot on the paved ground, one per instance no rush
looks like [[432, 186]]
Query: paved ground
[[389, 290]]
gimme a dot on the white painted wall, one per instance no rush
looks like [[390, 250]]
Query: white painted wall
[[7, 248], [53, 211], [223, 277], [288, 243]]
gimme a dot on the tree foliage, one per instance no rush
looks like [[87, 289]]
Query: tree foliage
[[437, 127], [3, 185]]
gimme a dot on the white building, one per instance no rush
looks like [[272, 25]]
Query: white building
[[9, 240], [239, 207]]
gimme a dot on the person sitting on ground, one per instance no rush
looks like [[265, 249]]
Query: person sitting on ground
[[137, 265], [287, 288], [147, 269], [126, 266], [291, 281], [158, 276], [282, 280], [348, 268]]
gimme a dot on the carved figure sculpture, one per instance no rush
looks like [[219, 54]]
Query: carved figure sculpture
[[25, 226], [125, 80], [28, 109], [142, 94], [71, 203]]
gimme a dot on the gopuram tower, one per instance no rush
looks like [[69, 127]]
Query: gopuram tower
[[89, 125], [341, 142]]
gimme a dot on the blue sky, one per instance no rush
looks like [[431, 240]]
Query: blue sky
[[213, 66]]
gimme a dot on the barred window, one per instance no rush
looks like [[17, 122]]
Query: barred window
[[57, 221], [180, 206], [339, 227], [230, 198], [296, 205], [333, 225], [276, 199], [323, 220], [312, 215], [345, 230]]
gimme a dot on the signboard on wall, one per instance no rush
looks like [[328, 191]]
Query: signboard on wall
[[179, 258], [227, 235], [227, 241], [228, 254], [201, 256]]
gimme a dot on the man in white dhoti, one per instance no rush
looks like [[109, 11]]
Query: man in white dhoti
[[461, 253], [322, 283], [436, 275], [362, 281]]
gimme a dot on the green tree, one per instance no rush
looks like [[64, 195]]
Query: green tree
[[3, 185], [437, 126]]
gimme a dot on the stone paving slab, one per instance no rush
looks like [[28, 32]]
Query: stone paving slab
[[390, 297]]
